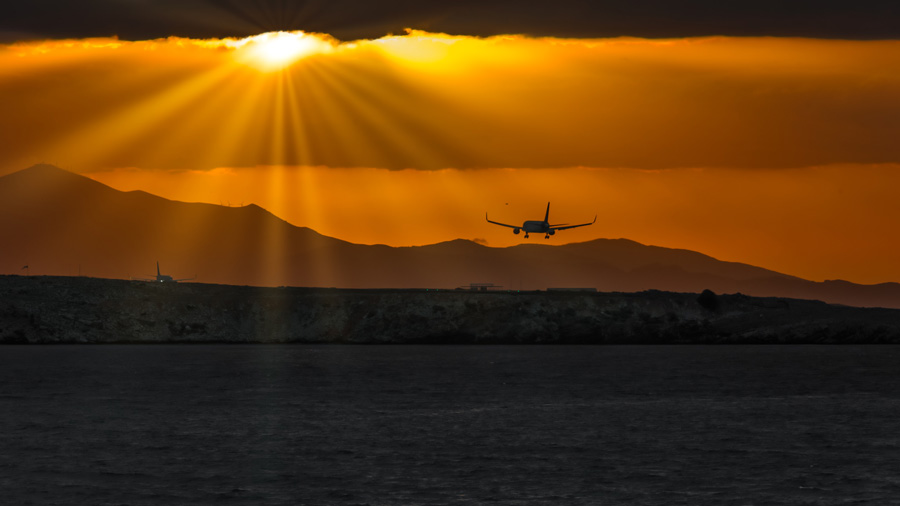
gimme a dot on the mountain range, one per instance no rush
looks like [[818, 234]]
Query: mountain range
[[59, 223]]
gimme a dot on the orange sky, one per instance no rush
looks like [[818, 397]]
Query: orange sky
[[782, 153], [818, 223]]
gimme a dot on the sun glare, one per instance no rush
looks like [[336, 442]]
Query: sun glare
[[277, 50]]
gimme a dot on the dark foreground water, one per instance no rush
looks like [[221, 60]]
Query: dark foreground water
[[694, 425]]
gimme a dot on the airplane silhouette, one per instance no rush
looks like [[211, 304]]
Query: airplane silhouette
[[165, 278], [541, 227]]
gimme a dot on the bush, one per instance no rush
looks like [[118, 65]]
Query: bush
[[709, 301]]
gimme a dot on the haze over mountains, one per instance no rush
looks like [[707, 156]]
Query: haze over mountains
[[60, 223]]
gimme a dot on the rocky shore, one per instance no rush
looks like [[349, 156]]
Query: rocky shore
[[90, 310]]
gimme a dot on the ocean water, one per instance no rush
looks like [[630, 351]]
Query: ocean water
[[385, 425]]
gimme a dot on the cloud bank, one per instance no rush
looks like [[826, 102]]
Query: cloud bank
[[432, 101], [367, 19]]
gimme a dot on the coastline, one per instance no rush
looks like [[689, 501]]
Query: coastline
[[62, 310]]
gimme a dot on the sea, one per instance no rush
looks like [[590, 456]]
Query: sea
[[445, 425]]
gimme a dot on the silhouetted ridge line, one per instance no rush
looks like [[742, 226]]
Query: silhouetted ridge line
[[60, 223]]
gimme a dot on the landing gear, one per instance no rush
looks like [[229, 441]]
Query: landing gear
[[547, 236], [526, 235]]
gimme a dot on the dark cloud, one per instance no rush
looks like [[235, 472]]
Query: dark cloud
[[355, 19]]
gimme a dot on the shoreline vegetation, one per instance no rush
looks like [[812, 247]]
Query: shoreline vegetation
[[64, 310]]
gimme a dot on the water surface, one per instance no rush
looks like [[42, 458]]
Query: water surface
[[353, 425]]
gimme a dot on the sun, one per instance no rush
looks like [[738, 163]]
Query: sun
[[274, 51]]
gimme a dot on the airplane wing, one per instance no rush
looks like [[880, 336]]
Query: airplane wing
[[501, 224], [579, 225]]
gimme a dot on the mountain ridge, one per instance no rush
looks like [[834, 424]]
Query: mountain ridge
[[61, 223]]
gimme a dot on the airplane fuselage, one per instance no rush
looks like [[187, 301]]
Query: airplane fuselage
[[538, 227]]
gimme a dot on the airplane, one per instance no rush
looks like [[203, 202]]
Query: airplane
[[541, 227], [165, 278]]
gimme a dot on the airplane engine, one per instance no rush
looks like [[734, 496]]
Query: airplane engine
[[552, 232], [516, 231]]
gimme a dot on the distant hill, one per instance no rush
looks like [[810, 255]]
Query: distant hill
[[60, 223]]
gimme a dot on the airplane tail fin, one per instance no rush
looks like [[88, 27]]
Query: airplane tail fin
[[547, 214], [157, 267]]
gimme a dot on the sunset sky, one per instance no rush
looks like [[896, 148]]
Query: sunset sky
[[754, 133]]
